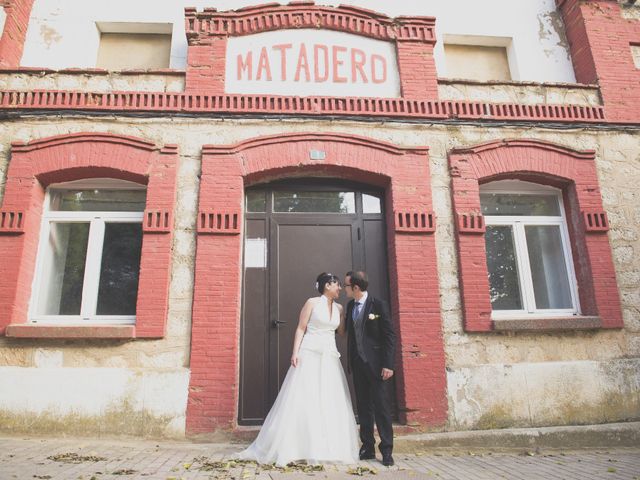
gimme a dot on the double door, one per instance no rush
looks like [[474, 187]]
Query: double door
[[294, 232]]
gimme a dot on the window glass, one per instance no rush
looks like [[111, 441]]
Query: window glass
[[314, 202], [256, 201], [120, 269], [89, 258], [528, 258], [98, 200], [519, 204], [371, 204], [65, 257], [504, 281], [548, 267]]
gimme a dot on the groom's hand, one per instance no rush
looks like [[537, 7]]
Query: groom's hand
[[386, 373]]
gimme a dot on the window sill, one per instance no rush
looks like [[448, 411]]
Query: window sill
[[550, 324], [118, 332]]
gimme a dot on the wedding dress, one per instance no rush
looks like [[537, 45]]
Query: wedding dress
[[312, 418]]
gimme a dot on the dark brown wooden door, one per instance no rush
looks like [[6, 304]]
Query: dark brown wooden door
[[287, 245]]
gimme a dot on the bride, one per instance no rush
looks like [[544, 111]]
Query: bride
[[312, 418]]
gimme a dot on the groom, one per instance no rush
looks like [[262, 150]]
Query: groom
[[371, 350]]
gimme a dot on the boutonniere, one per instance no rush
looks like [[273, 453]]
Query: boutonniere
[[373, 316]]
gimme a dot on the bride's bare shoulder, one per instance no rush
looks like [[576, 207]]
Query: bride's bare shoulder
[[312, 301]]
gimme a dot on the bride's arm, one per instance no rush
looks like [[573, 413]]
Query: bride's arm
[[342, 328], [305, 313]]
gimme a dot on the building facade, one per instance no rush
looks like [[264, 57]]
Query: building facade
[[174, 175]]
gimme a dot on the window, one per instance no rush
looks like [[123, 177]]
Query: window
[[134, 46], [528, 250], [635, 53], [89, 254], [478, 58]]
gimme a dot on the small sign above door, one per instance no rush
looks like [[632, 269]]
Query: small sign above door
[[309, 62]]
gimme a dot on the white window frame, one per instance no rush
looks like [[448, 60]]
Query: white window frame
[[95, 242], [518, 224]]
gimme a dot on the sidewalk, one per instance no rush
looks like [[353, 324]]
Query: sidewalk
[[123, 459]]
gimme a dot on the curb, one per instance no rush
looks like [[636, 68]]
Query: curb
[[571, 437]]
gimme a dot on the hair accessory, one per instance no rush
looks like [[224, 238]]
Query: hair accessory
[[316, 285]]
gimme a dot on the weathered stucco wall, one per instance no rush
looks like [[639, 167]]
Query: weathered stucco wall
[[524, 93], [92, 82], [494, 379], [537, 48]]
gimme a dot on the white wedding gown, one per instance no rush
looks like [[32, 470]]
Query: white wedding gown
[[312, 418]]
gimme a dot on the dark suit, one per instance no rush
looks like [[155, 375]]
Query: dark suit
[[377, 351]]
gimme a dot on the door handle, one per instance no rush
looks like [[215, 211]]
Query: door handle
[[276, 323]]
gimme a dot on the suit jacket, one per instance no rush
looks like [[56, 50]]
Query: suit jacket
[[379, 337]]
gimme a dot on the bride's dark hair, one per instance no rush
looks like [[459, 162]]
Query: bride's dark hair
[[325, 278]]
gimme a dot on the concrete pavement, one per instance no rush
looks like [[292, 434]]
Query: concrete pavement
[[23, 458]]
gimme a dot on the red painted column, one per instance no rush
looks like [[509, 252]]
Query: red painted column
[[213, 389], [152, 307], [15, 31], [600, 40], [421, 377], [418, 76]]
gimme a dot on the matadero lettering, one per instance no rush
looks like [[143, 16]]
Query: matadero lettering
[[319, 63]]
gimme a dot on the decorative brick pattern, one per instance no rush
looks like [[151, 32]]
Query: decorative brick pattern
[[200, 26], [157, 221], [270, 104], [226, 170], [415, 222], [37, 164], [207, 34], [471, 223], [219, 222], [546, 163], [11, 222], [595, 221]]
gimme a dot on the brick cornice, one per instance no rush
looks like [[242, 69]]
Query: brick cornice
[[269, 17], [164, 102]]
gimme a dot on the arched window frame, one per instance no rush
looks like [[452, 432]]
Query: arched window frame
[[574, 173], [36, 165]]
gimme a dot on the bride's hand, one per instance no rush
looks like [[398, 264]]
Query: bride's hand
[[294, 361]]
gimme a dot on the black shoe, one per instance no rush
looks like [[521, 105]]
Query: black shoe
[[367, 453], [387, 460]]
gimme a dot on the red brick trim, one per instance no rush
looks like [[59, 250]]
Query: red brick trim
[[116, 332], [409, 221], [595, 221], [11, 222], [37, 164], [157, 221], [220, 223], [14, 32], [471, 223], [208, 31], [199, 26], [269, 104], [404, 174], [571, 170]]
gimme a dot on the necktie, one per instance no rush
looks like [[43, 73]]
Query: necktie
[[356, 309]]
